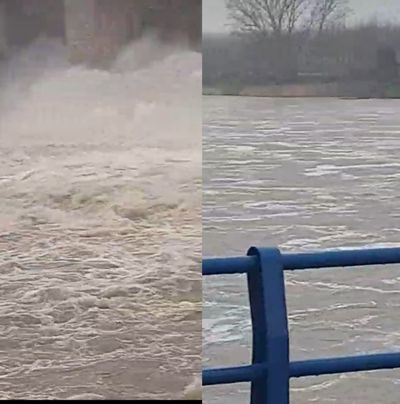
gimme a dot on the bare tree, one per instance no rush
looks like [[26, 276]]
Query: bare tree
[[324, 12], [281, 29], [266, 16], [284, 16], [296, 11]]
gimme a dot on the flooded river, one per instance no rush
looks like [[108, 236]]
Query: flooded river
[[100, 224], [304, 174]]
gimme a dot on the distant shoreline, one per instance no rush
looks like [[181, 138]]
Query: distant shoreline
[[346, 90]]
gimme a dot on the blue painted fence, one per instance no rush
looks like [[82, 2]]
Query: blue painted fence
[[271, 369]]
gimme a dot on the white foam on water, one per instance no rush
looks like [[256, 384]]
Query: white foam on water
[[100, 229]]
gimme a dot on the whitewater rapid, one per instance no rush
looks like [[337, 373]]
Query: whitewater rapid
[[100, 224]]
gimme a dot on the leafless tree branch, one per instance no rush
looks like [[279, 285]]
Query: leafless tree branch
[[285, 16]]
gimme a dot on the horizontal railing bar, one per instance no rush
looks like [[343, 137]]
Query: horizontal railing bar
[[234, 265], [348, 364], [316, 367], [341, 258], [237, 374], [298, 261]]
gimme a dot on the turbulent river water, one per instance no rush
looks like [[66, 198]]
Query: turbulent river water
[[304, 174], [100, 224]]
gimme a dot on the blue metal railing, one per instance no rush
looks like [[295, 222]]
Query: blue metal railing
[[271, 369]]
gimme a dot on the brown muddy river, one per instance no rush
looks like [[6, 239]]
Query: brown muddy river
[[100, 224], [304, 174]]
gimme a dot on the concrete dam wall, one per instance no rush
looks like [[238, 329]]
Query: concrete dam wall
[[95, 30]]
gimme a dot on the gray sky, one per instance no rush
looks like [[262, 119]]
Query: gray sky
[[214, 12]]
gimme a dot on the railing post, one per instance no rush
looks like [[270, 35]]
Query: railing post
[[270, 330]]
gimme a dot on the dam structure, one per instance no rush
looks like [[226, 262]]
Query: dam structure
[[95, 30]]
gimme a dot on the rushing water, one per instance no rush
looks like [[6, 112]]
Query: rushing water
[[304, 174], [100, 224]]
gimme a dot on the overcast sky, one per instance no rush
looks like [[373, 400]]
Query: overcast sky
[[214, 12]]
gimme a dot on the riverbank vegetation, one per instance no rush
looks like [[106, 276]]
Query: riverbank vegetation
[[307, 44]]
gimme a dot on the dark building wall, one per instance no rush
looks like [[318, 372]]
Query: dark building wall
[[3, 37], [174, 19], [95, 30], [25, 20]]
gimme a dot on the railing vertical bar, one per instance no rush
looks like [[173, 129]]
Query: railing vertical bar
[[270, 330]]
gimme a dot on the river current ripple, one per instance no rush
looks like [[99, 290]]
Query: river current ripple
[[304, 174]]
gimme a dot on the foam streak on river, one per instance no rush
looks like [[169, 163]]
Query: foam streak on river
[[305, 174], [100, 233]]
